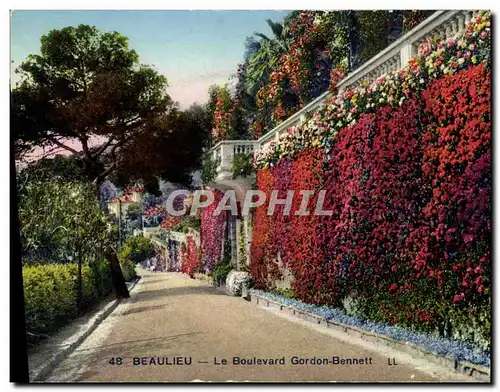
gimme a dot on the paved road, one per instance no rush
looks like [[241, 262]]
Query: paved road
[[169, 315]]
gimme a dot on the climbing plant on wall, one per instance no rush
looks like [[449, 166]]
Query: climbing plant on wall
[[406, 163], [212, 233]]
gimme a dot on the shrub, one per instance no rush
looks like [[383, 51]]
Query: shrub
[[140, 248], [237, 280], [58, 220], [102, 277], [208, 170], [220, 273], [242, 165], [50, 293], [126, 263]]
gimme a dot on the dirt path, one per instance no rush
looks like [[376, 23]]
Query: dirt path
[[169, 315]]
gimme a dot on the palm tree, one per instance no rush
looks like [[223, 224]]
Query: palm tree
[[266, 56]]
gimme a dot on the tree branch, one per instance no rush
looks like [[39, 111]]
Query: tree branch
[[85, 147], [102, 148], [62, 145], [103, 175]]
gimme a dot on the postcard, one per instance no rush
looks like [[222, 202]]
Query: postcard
[[251, 196]]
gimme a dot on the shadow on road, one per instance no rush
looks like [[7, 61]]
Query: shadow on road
[[140, 309], [141, 342], [152, 281], [168, 292], [88, 362]]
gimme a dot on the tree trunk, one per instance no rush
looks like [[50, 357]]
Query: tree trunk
[[119, 285], [118, 280]]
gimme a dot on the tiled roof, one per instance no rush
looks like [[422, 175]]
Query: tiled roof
[[124, 199]]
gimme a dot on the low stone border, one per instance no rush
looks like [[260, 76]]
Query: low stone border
[[479, 372], [61, 351]]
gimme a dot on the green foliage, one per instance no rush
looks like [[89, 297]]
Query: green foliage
[[86, 84], [374, 32], [138, 249], [66, 168], [126, 263], [242, 249], [221, 270], [472, 325], [134, 211], [209, 169], [50, 292], [243, 165], [414, 17], [101, 271], [188, 221], [59, 220], [128, 269], [266, 58], [288, 293]]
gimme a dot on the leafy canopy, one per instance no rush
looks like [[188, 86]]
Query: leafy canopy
[[87, 88]]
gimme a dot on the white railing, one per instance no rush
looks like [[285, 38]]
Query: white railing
[[173, 235], [179, 237], [224, 151], [445, 24]]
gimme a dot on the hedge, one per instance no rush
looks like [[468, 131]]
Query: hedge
[[50, 293], [126, 263]]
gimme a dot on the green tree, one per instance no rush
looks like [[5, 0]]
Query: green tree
[[68, 168], [60, 220], [170, 153], [266, 57], [86, 85]]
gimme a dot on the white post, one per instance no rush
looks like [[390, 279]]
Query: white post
[[407, 52]]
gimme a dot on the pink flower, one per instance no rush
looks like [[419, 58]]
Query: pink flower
[[467, 237], [450, 43], [424, 49], [483, 35]]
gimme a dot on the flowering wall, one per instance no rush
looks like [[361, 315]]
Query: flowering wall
[[212, 233], [434, 60], [222, 115], [410, 191], [408, 178], [177, 256], [191, 257]]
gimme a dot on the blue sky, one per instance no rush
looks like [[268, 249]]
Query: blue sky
[[194, 49]]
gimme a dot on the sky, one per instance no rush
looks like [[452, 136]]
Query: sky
[[193, 49]]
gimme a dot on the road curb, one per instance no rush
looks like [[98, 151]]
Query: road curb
[[480, 373], [43, 372]]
